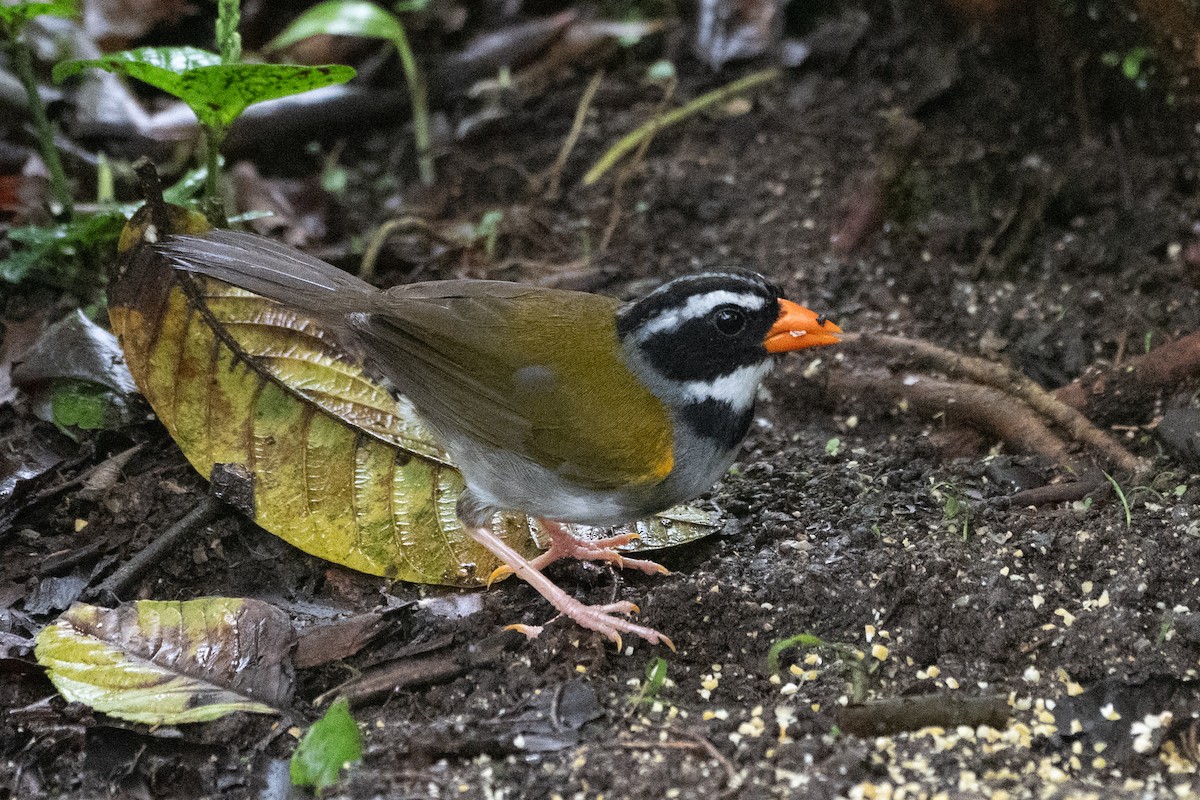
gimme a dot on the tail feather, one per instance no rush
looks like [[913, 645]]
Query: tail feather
[[265, 267]]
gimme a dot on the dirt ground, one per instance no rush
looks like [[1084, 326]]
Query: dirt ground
[[1017, 219]]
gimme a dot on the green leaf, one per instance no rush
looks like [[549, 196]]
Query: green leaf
[[56, 254], [82, 404], [17, 15], [157, 66], [1131, 65], [805, 641], [341, 18], [333, 742], [169, 663], [656, 676], [217, 92]]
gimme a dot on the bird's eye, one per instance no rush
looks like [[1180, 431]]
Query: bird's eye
[[729, 320]]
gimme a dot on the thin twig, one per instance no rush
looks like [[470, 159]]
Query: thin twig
[[366, 269], [117, 584], [554, 177], [631, 140], [614, 211], [692, 742]]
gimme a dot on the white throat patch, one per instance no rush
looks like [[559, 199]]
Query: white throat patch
[[698, 306], [738, 388]]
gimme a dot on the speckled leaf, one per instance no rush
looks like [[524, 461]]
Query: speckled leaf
[[217, 92], [293, 429], [168, 663]]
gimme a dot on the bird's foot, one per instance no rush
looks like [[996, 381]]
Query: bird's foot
[[564, 545], [603, 619]]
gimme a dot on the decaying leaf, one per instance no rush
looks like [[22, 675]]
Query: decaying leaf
[[169, 663], [293, 429]]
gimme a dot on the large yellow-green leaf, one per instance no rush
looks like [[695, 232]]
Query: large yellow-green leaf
[[292, 428], [168, 663]]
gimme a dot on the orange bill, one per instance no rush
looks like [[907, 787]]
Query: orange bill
[[797, 328]]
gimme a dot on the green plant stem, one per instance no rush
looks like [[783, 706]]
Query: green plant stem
[[23, 62], [420, 108], [657, 123], [1120, 496], [214, 193], [229, 41]]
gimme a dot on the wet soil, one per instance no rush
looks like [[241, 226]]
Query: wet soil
[[1014, 223]]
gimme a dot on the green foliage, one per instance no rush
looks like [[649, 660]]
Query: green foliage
[[955, 508], [488, 231], [1136, 64], [229, 41], [66, 255], [853, 660], [806, 641], [1121, 496], [71, 255], [332, 743], [12, 20], [341, 18], [14, 17], [84, 405], [214, 86], [656, 678], [217, 92], [661, 71], [362, 18]]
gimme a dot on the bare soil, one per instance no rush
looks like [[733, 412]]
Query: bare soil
[[1023, 221]]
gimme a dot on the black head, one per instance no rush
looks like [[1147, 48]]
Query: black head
[[699, 328]]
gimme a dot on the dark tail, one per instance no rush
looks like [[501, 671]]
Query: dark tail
[[273, 270]]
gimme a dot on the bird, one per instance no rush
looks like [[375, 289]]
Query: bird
[[568, 406]]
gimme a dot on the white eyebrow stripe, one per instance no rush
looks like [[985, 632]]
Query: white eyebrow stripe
[[697, 306]]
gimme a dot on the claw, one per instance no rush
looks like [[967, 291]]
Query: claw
[[499, 573], [529, 631]]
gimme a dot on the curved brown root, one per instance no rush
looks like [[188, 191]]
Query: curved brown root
[[998, 399]]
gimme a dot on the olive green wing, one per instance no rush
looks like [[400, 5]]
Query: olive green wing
[[534, 371]]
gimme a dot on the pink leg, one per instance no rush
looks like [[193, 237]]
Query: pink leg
[[595, 618], [564, 545]]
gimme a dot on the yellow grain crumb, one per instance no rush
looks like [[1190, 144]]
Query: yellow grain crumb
[[1068, 619]]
